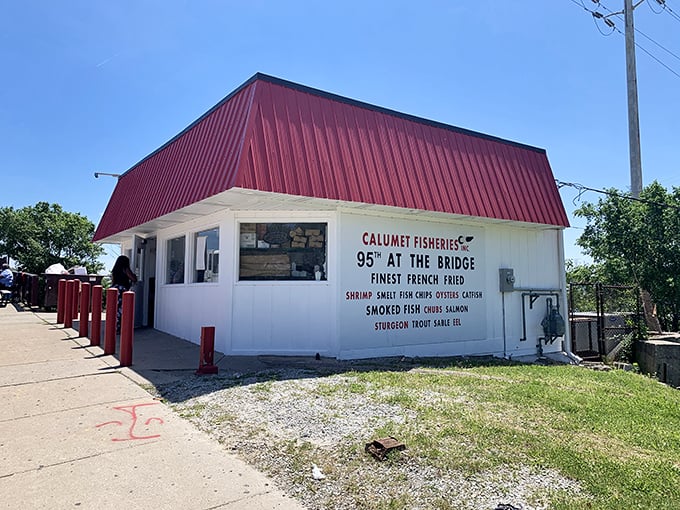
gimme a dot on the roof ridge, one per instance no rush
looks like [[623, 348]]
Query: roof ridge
[[259, 76], [388, 111], [247, 127]]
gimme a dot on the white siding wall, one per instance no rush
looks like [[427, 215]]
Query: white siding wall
[[182, 309], [285, 317], [534, 254], [538, 263], [309, 317]]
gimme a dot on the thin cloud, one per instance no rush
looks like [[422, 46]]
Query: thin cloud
[[107, 60]]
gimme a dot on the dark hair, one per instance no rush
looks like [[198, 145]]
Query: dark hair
[[120, 274], [122, 263]]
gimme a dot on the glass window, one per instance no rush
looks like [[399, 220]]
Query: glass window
[[207, 259], [175, 260], [282, 251]]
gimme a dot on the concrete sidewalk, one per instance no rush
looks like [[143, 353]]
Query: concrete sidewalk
[[77, 431]]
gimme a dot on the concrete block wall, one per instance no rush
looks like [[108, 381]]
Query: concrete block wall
[[660, 356]]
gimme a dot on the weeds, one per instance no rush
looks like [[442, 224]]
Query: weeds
[[616, 434]]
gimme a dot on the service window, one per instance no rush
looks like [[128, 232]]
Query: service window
[[282, 251], [207, 259], [175, 260]]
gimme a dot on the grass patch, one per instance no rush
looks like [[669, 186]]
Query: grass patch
[[616, 433], [470, 427], [263, 387], [192, 411], [349, 386]]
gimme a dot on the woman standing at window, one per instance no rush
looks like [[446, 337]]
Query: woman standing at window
[[122, 279]]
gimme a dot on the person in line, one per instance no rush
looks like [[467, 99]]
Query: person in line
[[6, 278], [6, 283], [122, 279]]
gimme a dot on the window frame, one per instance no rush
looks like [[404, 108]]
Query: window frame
[[194, 237], [324, 222], [168, 260]]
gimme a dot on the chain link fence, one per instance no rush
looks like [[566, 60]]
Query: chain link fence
[[604, 320]]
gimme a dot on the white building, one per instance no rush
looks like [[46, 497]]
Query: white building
[[301, 222]]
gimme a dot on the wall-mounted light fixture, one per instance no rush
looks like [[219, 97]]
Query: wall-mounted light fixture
[[97, 174]]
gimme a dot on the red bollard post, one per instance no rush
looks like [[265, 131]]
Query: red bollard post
[[96, 333], [111, 320], [206, 362], [61, 295], [68, 305], [127, 320], [84, 309], [74, 299]]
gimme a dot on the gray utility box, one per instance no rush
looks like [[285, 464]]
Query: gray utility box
[[506, 278]]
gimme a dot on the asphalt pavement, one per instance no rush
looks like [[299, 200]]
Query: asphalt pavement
[[79, 431]]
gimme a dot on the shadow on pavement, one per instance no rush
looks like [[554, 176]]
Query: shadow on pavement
[[169, 364]]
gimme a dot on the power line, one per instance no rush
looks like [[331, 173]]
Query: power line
[[659, 61], [582, 189], [618, 16], [665, 7], [659, 45], [607, 21], [649, 3]]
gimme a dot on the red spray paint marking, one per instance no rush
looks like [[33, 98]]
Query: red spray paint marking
[[132, 411]]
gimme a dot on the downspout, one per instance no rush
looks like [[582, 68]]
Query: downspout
[[566, 343], [505, 349]]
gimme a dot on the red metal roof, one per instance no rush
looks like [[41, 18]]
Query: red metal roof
[[277, 136]]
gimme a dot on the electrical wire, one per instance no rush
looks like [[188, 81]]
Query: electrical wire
[[659, 45], [670, 11], [618, 15], [649, 4], [597, 15], [597, 25], [582, 189], [581, 4], [659, 61]]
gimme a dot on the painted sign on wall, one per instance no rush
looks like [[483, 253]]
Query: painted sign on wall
[[408, 282]]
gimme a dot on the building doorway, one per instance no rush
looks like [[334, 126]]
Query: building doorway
[[144, 266]]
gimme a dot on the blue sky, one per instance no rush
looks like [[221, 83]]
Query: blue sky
[[97, 85]]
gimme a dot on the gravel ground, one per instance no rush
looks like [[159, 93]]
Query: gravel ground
[[283, 421]]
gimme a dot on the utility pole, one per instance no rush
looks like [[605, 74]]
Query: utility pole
[[631, 85], [633, 117]]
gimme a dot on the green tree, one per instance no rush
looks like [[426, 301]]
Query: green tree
[[638, 243], [44, 234]]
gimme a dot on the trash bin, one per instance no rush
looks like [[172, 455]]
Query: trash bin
[[52, 285]]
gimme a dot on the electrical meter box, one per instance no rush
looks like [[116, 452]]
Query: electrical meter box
[[506, 279]]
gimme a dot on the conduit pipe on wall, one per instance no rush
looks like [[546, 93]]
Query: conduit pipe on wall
[[533, 295], [505, 340], [507, 280]]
